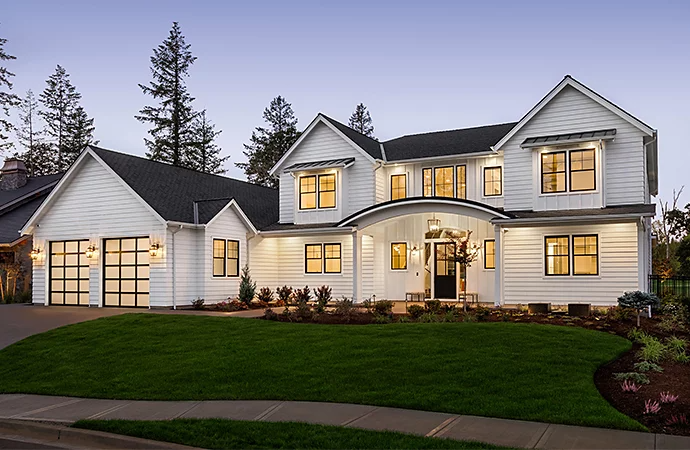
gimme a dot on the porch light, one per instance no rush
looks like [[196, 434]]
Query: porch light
[[35, 254], [434, 224], [414, 251], [90, 251], [153, 250]]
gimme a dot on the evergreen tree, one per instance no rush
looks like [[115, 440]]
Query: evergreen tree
[[173, 116], [68, 128], [42, 159], [268, 144], [360, 120], [205, 155], [28, 134], [7, 99]]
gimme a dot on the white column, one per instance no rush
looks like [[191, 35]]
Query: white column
[[498, 272], [356, 266]]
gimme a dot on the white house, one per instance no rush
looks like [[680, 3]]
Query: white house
[[559, 204]]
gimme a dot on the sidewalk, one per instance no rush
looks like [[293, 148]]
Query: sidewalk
[[511, 433]]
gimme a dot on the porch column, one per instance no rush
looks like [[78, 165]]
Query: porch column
[[498, 262], [356, 266]]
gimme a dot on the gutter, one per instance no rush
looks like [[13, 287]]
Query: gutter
[[293, 232], [441, 158], [569, 219]]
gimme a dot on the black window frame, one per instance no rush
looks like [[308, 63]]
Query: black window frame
[[566, 167], [228, 258], [464, 181], [307, 258], [396, 176], [593, 169], [315, 192], [402, 254], [214, 257], [64, 266], [596, 255], [136, 278], [452, 183], [319, 191], [339, 258], [486, 253], [500, 183], [431, 181], [546, 256]]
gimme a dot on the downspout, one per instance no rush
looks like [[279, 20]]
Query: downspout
[[173, 232]]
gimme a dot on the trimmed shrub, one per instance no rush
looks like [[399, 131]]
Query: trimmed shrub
[[433, 306], [323, 296], [415, 311], [284, 295], [383, 307], [647, 366], [269, 314], [198, 303], [638, 301], [265, 295], [247, 287], [638, 378], [302, 295]]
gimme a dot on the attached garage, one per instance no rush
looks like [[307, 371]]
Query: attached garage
[[126, 272], [69, 273]]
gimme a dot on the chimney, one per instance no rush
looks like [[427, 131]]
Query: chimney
[[13, 174]]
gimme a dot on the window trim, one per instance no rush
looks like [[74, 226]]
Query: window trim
[[500, 171], [464, 181], [485, 253], [214, 257], [596, 236], [546, 265], [566, 159], [227, 258], [391, 248], [570, 169], [318, 190], [340, 256], [394, 175], [307, 259]]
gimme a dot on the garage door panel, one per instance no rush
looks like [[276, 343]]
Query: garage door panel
[[127, 272], [69, 273]]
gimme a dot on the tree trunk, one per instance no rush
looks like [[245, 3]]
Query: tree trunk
[[638, 318]]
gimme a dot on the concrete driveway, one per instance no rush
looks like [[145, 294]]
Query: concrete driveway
[[18, 321]]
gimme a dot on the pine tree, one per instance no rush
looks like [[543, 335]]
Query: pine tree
[[172, 117], [28, 134], [268, 145], [360, 120], [42, 159], [205, 155], [68, 127], [7, 99]]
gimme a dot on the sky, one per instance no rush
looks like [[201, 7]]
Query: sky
[[418, 66]]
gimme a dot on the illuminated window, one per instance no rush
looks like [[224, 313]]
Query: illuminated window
[[313, 258], [219, 257], [327, 191], [553, 172], [443, 181], [557, 255], [489, 254], [331, 255], [493, 178], [399, 256], [427, 183], [307, 192], [582, 170], [586, 255], [233, 262], [461, 181], [398, 186]]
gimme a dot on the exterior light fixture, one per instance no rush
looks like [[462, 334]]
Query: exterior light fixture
[[153, 250], [434, 224], [90, 251], [414, 251], [35, 253]]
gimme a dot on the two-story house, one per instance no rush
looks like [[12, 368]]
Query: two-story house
[[557, 205]]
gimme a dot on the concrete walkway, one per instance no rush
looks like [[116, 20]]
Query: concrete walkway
[[511, 433]]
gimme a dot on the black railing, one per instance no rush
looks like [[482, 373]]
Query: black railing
[[664, 287]]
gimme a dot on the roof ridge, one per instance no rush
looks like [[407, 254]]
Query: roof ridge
[[348, 127], [451, 130]]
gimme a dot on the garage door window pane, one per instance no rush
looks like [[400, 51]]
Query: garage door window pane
[[142, 271], [127, 299], [143, 244], [112, 258], [142, 300], [128, 258], [128, 245], [143, 257], [128, 272]]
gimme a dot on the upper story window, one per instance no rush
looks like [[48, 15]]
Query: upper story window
[[427, 183], [449, 181], [553, 172], [493, 181], [461, 181], [443, 181], [579, 164], [582, 172], [327, 191], [307, 192], [317, 191], [398, 186]]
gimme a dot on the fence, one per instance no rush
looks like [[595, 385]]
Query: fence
[[664, 287]]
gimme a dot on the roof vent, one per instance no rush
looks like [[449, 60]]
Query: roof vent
[[13, 174]]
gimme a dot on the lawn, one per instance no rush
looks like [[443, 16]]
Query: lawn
[[511, 370], [227, 434]]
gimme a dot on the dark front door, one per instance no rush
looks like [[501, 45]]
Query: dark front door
[[444, 277]]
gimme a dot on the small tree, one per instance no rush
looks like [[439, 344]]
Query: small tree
[[464, 255], [247, 287], [323, 296], [637, 300]]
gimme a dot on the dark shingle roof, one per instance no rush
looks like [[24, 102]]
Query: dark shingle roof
[[327, 164], [33, 184], [171, 191], [13, 220], [569, 137], [445, 143], [369, 145]]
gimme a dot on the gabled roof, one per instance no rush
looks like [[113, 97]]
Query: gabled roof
[[369, 145], [33, 186], [14, 219]]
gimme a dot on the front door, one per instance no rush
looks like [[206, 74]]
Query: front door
[[444, 276]]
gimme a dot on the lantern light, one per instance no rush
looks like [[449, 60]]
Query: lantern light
[[90, 251], [35, 254], [434, 224], [153, 250]]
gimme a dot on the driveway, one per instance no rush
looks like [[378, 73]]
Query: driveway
[[18, 321]]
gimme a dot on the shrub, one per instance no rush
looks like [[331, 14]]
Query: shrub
[[682, 358], [269, 314], [449, 308], [637, 335], [383, 307], [404, 319], [677, 310], [651, 407], [629, 386], [323, 296], [428, 317], [302, 295], [247, 287], [265, 295], [284, 295], [198, 303], [647, 366], [619, 314], [415, 311], [638, 378], [366, 304], [482, 312], [638, 300], [667, 397], [676, 344], [381, 319], [344, 307], [469, 317], [230, 306], [677, 420], [433, 306], [450, 316], [653, 351], [303, 311]]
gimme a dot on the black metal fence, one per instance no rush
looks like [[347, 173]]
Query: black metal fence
[[664, 287]]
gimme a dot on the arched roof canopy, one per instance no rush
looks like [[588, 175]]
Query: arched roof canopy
[[419, 205]]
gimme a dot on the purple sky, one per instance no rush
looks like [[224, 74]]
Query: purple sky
[[418, 66]]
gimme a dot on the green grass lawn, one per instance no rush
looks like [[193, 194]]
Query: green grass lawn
[[520, 371], [228, 434]]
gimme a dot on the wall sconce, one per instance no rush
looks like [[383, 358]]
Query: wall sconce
[[90, 251], [153, 250], [414, 251], [35, 254], [434, 224]]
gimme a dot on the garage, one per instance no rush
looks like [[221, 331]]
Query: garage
[[126, 272], [69, 273]]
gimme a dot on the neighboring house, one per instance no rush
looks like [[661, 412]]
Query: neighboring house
[[20, 196], [559, 204]]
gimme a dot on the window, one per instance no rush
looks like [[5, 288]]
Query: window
[[489, 254], [461, 181], [327, 191], [307, 192], [582, 170], [219, 257], [556, 255], [493, 178], [399, 256], [553, 172], [313, 258], [398, 186], [427, 183], [331, 254], [586, 255], [233, 262], [443, 181]]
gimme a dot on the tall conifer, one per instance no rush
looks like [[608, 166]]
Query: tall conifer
[[360, 120]]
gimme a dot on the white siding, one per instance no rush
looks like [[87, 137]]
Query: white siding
[[287, 192], [263, 261], [383, 192], [188, 254], [524, 274], [571, 111]]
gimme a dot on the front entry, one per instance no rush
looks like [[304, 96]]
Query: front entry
[[444, 276]]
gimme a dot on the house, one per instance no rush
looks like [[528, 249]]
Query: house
[[557, 205], [20, 196]]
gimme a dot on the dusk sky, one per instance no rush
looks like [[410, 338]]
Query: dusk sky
[[418, 66]]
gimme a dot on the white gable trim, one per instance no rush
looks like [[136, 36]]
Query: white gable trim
[[67, 178], [318, 119], [569, 81], [232, 203]]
